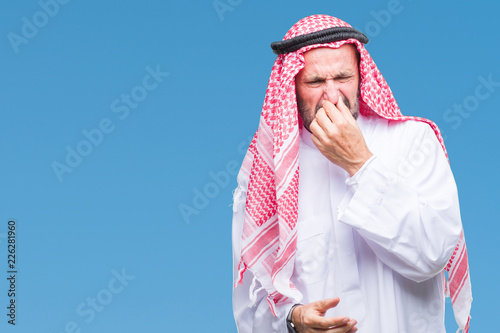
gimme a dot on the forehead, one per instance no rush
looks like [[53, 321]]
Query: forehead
[[327, 59]]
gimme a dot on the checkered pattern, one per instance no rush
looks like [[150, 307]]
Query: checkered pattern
[[272, 170]]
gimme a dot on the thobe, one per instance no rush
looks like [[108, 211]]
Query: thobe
[[379, 240]]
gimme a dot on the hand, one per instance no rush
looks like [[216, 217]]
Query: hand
[[338, 137], [310, 318]]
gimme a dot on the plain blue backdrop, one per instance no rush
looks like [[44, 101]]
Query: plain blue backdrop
[[122, 124]]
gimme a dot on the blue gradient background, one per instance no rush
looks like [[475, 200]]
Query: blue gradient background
[[120, 207]]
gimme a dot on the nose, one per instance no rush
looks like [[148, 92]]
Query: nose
[[331, 92]]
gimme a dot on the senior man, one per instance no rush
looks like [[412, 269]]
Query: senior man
[[359, 237]]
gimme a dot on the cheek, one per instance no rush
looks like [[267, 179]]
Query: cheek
[[350, 91], [305, 95], [312, 96]]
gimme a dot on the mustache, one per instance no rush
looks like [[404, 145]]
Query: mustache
[[308, 116], [344, 99]]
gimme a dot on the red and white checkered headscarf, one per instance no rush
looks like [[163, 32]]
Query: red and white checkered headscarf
[[271, 171]]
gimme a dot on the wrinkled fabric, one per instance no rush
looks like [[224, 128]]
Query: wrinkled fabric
[[360, 238]]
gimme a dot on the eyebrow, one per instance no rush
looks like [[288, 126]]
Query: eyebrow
[[345, 73], [313, 77]]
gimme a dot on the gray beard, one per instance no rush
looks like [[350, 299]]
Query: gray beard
[[307, 117]]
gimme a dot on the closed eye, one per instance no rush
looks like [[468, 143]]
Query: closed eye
[[344, 78], [314, 82]]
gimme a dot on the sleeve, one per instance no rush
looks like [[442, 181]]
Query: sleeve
[[409, 215], [251, 315]]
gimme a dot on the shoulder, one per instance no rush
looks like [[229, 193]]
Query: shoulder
[[401, 130], [394, 141]]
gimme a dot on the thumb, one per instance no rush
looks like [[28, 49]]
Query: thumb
[[326, 304]]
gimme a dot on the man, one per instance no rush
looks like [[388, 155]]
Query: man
[[359, 237]]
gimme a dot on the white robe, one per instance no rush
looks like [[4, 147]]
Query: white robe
[[378, 240]]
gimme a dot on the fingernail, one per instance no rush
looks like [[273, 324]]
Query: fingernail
[[346, 320]]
